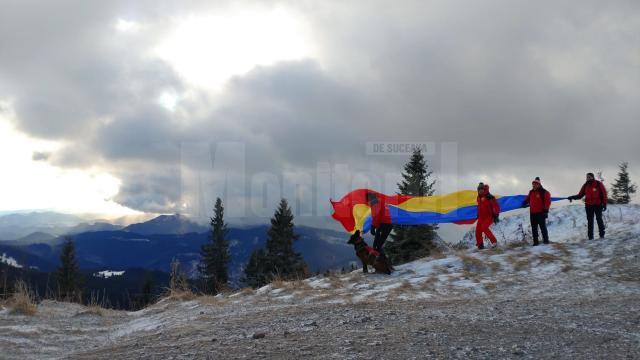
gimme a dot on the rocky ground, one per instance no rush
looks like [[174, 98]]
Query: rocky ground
[[572, 299]]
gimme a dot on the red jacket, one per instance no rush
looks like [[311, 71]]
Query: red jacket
[[488, 207], [380, 213], [538, 203], [594, 193]]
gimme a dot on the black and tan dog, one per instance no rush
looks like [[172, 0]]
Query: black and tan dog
[[369, 255]]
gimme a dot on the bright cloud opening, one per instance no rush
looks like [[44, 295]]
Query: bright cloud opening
[[29, 183], [209, 49]]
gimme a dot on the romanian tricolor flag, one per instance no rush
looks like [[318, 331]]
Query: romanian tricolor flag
[[354, 213]]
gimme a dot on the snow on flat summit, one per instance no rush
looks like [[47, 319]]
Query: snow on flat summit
[[508, 268], [574, 297]]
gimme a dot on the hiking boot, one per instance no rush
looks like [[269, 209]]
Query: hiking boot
[[481, 247], [546, 242], [535, 242], [493, 245]]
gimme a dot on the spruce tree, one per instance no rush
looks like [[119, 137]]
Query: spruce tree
[[282, 259], [68, 274], [215, 253], [147, 290], [255, 270], [408, 243], [622, 189], [278, 259]]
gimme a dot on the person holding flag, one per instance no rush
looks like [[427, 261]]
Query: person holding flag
[[380, 221], [595, 202], [488, 213], [539, 202]]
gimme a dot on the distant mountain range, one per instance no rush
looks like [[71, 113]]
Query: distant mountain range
[[166, 224], [154, 243]]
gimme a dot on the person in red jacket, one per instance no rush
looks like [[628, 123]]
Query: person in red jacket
[[380, 221], [488, 213], [539, 202], [595, 202]]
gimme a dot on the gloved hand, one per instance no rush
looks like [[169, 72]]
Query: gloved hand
[[496, 219], [570, 198], [524, 204], [546, 214], [604, 207], [373, 231]]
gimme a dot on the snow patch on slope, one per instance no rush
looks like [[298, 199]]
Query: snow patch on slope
[[6, 259]]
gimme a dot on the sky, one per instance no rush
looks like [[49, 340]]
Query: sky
[[119, 108]]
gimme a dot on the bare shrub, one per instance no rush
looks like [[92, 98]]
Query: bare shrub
[[179, 288], [23, 300]]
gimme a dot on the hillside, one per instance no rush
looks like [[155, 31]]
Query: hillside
[[163, 238], [573, 298]]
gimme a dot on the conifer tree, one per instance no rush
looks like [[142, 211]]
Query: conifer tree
[[255, 270], [68, 274], [215, 253], [408, 243], [622, 189], [282, 259], [147, 290], [278, 259]]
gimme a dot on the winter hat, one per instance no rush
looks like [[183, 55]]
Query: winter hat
[[480, 186], [591, 174], [536, 181]]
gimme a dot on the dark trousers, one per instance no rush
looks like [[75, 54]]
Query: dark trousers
[[597, 211], [539, 220], [382, 233]]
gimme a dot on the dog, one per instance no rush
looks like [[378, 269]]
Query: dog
[[369, 255]]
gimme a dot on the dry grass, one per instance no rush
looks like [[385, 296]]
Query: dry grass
[[297, 283], [429, 283], [562, 248], [519, 261], [494, 266], [23, 301], [436, 254], [210, 300], [404, 288], [545, 258], [490, 286], [473, 265], [179, 289], [180, 295], [246, 291], [517, 244]]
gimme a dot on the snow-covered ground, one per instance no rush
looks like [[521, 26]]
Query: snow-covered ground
[[6, 259], [572, 298], [108, 273]]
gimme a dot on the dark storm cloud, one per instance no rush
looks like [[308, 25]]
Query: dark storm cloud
[[525, 89]]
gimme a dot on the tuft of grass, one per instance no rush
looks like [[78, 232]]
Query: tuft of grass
[[517, 244], [548, 258], [473, 265], [490, 286], [494, 266], [23, 300], [404, 288], [179, 289], [437, 254], [562, 248], [519, 262]]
